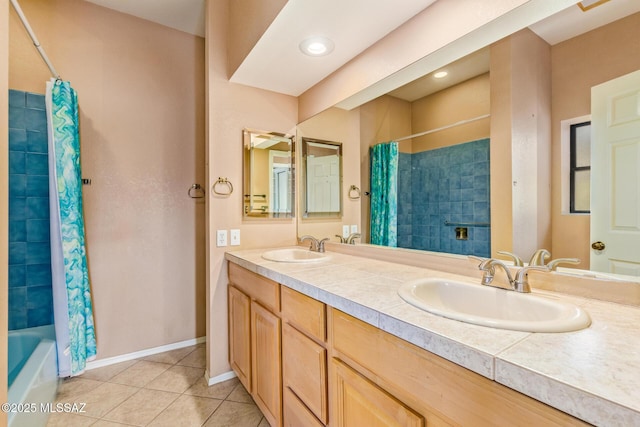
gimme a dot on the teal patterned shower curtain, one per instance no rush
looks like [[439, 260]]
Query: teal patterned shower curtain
[[73, 311], [384, 194]]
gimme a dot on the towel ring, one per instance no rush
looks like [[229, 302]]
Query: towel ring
[[224, 182], [194, 190], [354, 192]]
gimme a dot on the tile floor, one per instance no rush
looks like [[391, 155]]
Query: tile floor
[[166, 389]]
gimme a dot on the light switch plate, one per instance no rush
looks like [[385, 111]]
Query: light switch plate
[[221, 238], [234, 237], [354, 228], [345, 231]]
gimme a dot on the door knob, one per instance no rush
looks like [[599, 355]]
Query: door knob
[[598, 246]]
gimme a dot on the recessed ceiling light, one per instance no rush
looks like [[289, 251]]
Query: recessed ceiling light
[[440, 74], [316, 46]]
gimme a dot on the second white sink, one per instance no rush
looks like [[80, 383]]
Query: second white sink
[[294, 255], [493, 307]]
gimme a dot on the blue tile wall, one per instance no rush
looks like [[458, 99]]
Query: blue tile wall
[[450, 183], [30, 295]]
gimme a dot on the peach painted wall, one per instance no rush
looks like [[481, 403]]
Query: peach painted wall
[[463, 101], [520, 144], [343, 126], [4, 197], [141, 96], [230, 108], [577, 65]]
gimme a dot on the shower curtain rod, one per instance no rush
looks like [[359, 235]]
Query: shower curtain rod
[[36, 43], [461, 122]]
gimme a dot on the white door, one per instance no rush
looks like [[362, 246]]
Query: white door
[[615, 178], [323, 183]]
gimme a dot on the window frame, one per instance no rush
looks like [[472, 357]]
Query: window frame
[[573, 168]]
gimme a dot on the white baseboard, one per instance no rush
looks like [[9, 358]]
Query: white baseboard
[[219, 378], [143, 353]]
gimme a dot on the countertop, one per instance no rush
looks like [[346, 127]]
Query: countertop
[[592, 374]]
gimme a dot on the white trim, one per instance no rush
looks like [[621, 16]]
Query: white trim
[[143, 353], [565, 160], [219, 378]]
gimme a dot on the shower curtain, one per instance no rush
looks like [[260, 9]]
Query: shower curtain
[[384, 194], [72, 309]]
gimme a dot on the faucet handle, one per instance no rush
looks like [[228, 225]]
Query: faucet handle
[[342, 240], [320, 244], [539, 257], [553, 264], [521, 282], [517, 261], [314, 242], [478, 259]]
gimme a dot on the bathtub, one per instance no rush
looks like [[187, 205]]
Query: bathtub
[[33, 375]]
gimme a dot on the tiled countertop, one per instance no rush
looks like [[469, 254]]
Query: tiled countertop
[[593, 374]]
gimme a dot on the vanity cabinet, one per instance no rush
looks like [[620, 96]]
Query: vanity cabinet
[[372, 370], [304, 359], [308, 364], [255, 339]]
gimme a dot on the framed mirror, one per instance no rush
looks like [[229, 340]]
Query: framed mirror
[[268, 178], [321, 178]]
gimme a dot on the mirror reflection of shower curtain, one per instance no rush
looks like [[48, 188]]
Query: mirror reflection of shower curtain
[[72, 307], [384, 194]]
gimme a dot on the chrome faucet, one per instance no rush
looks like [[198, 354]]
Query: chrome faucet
[[341, 239], [316, 245], [517, 261], [519, 284], [488, 268], [539, 257], [352, 236]]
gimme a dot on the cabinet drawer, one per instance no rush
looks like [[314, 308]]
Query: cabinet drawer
[[304, 366], [295, 413], [306, 314], [266, 291]]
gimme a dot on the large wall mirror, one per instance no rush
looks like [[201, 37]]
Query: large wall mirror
[[268, 159], [537, 79], [321, 178]]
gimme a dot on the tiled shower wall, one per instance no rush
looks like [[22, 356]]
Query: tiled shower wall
[[450, 183], [30, 296]]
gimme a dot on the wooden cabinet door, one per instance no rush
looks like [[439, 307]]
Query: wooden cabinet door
[[267, 367], [359, 402], [240, 335], [304, 366]]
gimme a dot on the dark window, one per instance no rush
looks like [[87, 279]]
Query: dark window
[[580, 168]]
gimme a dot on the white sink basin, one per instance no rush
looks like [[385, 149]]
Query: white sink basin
[[493, 307], [294, 255]]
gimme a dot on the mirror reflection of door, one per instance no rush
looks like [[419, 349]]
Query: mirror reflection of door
[[279, 165], [322, 172], [615, 218]]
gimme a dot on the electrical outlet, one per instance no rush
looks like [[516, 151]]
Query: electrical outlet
[[354, 228], [234, 237], [345, 231], [221, 238]]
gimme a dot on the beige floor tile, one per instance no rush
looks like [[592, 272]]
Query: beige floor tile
[[239, 394], [105, 423], [104, 398], [107, 372], [234, 414], [176, 379], [61, 419], [140, 373], [69, 388], [187, 411], [195, 359], [172, 357], [216, 391], [141, 408]]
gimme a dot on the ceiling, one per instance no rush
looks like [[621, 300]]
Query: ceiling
[[342, 21]]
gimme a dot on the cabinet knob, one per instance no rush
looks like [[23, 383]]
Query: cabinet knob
[[598, 246]]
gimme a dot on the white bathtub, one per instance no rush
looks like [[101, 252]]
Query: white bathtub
[[33, 375]]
